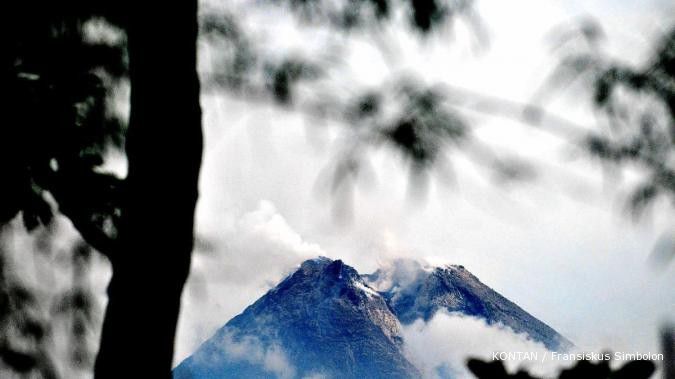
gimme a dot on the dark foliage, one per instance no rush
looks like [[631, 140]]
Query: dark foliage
[[636, 110], [424, 125], [423, 122], [582, 370], [56, 126], [424, 15], [57, 130], [31, 316]]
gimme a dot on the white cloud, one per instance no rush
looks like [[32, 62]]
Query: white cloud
[[448, 340], [249, 349]]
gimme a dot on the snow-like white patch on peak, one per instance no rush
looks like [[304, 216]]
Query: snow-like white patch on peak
[[363, 287]]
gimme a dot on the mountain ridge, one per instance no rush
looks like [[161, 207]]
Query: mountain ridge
[[456, 290], [325, 320]]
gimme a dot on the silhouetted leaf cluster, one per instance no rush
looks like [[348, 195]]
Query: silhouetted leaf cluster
[[56, 123], [416, 119], [638, 109], [241, 65], [641, 369], [424, 126], [236, 53], [424, 15], [31, 316]]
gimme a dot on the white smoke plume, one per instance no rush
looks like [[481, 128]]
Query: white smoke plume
[[247, 257]]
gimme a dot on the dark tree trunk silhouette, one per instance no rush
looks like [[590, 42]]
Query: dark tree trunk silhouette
[[164, 146]]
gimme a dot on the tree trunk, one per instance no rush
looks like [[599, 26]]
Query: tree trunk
[[164, 147]]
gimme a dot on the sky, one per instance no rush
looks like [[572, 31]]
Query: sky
[[560, 246]]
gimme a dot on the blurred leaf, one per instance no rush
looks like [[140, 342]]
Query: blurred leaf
[[284, 76], [426, 13], [512, 170], [635, 370], [424, 127], [603, 87], [20, 361], [487, 370], [642, 197], [641, 369], [365, 106]]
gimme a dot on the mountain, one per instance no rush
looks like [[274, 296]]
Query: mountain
[[414, 291], [327, 321], [326, 318]]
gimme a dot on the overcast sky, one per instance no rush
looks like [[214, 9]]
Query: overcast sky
[[560, 246]]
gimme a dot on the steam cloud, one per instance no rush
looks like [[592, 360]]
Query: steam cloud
[[249, 256]]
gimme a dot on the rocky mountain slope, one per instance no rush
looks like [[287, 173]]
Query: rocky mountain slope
[[413, 291], [327, 321]]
